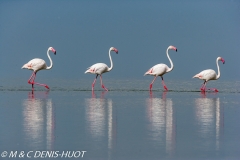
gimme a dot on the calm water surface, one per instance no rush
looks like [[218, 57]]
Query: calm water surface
[[125, 123]]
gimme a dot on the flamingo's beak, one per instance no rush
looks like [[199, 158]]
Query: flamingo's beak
[[54, 51], [116, 50], [223, 61], [176, 49]]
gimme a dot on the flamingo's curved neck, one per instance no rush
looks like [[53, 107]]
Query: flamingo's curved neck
[[51, 63], [111, 67], [218, 75], [171, 68]]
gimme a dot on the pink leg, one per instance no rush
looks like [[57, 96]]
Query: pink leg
[[150, 87], [164, 85], [29, 80], [93, 84], [203, 87], [46, 86], [33, 78], [102, 83]]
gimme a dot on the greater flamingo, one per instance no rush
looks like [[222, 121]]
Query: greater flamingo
[[208, 75], [100, 68], [36, 65], [161, 69]]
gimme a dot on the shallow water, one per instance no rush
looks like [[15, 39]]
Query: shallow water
[[192, 85], [125, 123]]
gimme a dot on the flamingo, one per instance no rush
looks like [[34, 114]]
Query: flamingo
[[100, 68], [161, 69], [208, 75], [36, 65]]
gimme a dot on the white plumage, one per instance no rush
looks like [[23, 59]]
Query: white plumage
[[209, 74], [36, 65], [206, 75], [161, 69], [158, 70], [100, 68]]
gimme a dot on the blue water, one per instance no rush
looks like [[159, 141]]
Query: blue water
[[128, 122]]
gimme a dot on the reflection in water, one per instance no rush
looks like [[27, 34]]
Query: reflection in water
[[96, 116], [209, 114], [110, 124], [99, 114], [161, 118], [38, 120]]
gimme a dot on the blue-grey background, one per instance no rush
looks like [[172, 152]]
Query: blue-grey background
[[83, 31], [128, 122]]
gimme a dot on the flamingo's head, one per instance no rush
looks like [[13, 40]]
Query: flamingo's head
[[114, 49], [173, 48], [221, 59], [53, 50]]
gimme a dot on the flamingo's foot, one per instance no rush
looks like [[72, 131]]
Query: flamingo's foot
[[203, 92], [150, 87], [93, 86], [165, 87], [213, 89], [104, 88], [46, 86]]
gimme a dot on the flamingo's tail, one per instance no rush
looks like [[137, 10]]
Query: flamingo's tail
[[146, 73], [25, 66], [149, 72], [196, 76], [89, 70]]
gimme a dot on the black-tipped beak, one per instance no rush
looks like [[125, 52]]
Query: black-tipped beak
[[176, 49], [223, 61], [55, 52]]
